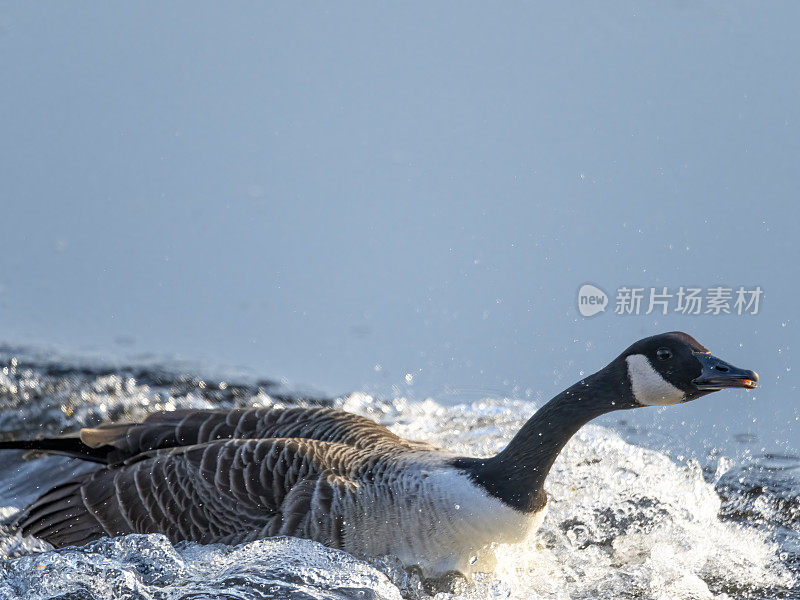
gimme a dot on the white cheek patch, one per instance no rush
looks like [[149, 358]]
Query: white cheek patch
[[650, 388]]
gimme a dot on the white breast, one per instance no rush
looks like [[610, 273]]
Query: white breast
[[435, 517]]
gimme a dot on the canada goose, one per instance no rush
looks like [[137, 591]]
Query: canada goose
[[341, 479]]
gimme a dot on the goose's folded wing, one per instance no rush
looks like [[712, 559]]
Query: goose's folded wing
[[190, 427], [225, 491], [114, 443]]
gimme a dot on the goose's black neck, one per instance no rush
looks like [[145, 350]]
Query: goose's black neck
[[516, 475]]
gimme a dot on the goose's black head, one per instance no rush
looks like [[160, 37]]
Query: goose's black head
[[674, 367]]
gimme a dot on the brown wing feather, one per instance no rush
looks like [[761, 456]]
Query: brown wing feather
[[222, 491], [190, 427]]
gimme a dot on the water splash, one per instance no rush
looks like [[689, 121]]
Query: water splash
[[148, 566]]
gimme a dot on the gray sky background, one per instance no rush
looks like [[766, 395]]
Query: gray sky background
[[311, 190]]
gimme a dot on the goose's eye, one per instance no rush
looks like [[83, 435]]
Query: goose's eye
[[664, 353]]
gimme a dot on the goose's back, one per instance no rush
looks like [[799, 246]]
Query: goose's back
[[123, 441]]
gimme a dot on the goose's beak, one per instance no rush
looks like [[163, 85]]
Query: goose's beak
[[717, 374]]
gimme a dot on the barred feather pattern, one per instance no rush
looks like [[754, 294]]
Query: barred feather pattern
[[189, 427]]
